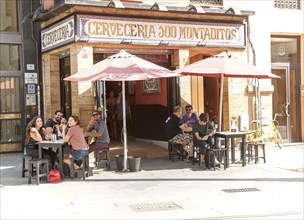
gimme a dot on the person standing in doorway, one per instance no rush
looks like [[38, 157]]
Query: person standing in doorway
[[120, 112], [112, 114]]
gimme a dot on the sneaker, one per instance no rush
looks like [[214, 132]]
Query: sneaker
[[216, 161]]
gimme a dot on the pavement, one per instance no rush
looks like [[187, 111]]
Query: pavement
[[163, 190]]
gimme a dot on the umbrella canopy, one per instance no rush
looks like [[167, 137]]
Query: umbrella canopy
[[222, 65], [122, 67]]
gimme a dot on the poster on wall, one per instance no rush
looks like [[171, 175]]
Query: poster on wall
[[30, 99], [151, 86]]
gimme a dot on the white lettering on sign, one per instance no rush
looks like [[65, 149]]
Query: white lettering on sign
[[58, 34], [102, 29]]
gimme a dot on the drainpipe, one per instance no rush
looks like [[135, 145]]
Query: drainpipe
[[37, 63], [257, 89]]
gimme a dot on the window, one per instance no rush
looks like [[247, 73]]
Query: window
[[10, 130], [10, 57], [9, 94], [10, 124], [8, 16], [289, 4]]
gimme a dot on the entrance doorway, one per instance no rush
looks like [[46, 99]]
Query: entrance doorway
[[285, 58], [65, 87], [284, 101]]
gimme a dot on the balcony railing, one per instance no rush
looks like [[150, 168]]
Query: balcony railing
[[289, 4], [207, 2]]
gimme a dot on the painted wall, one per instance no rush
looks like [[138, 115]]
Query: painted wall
[[267, 20], [148, 99]]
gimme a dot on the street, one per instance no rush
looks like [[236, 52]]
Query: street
[[163, 190]]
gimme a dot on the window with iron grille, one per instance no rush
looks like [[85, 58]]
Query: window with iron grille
[[289, 4]]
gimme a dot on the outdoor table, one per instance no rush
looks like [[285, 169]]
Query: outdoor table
[[58, 144], [232, 136]]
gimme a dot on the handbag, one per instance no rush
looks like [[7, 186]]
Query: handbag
[[54, 176]]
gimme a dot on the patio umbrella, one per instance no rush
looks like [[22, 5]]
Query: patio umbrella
[[222, 65], [122, 67]]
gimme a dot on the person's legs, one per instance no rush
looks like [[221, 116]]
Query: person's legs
[[77, 156], [98, 145], [202, 147], [50, 155], [114, 129], [210, 141]]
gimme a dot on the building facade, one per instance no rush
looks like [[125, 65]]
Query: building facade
[[172, 34], [278, 47]]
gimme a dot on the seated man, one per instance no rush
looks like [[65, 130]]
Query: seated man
[[203, 132], [53, 124], [175, 130], [100, 132], [189, 117]]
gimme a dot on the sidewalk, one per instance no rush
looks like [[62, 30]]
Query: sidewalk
[[163, 190]]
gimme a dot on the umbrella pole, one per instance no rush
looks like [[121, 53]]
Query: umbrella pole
[[124, 125], [104, 102], [221, 103]]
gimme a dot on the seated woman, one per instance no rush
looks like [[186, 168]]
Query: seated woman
[[36, 133], [79, 147], [203, 132]]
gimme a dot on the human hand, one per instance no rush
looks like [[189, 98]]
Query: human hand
[[91, 120], [34, 129], [63, 126], [213, 131]]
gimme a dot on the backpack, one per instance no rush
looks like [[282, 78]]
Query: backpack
[[54, 176]]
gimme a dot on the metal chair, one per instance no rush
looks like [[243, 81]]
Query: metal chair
[[24, 159], [175, 149], [98, 159], [39, 172], [83, 171], [255, 156]]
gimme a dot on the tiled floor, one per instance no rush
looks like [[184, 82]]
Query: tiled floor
[[137, 148]]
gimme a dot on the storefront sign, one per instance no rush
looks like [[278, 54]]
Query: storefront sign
[[57, 35], [157, 32]]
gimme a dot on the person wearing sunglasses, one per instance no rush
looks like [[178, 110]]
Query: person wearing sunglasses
[[189, 117], [97, 129]]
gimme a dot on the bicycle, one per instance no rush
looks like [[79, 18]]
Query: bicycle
[[260, 135]]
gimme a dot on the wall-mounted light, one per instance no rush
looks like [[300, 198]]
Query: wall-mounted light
[[196, 8], [233, 10], [116, 4], [159, 6]]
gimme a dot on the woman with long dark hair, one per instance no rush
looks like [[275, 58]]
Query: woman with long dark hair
[[34, 134]]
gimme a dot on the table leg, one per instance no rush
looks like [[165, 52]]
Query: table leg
[[232, 150], [60, 159], [243, 150], [40, 151], [227, 147]]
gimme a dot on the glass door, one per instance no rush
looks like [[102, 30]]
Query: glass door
[[281, 99], [65, 87]]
